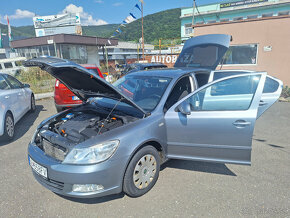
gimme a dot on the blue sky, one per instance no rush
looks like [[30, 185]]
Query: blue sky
[[93, 12]]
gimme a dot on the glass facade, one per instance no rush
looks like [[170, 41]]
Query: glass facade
[[76, 53]]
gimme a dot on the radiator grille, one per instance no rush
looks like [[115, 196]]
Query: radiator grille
[[53, 150]]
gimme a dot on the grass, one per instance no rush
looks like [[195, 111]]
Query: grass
[[39, 80]]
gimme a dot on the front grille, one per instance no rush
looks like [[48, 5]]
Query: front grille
[[53, 150]]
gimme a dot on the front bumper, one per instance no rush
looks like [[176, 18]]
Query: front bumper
[[61, 177]]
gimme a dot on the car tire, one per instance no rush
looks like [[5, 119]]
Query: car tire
[[32, 104], [9, 129], [142, 172]]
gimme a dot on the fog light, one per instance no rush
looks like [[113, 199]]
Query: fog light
[[87, 188]]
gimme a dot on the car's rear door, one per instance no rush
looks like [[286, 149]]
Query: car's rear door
[[271, 92], [220, 125]]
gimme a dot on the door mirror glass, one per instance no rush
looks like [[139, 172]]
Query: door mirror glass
[[184, 108]]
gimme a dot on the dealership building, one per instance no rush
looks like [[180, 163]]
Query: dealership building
[[260, 31], [77, 48]]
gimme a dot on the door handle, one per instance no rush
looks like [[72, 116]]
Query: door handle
[[262, 103], [241, 123], [7, 96]]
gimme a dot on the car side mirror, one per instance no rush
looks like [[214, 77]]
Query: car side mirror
[[26, 85], [184, 108]]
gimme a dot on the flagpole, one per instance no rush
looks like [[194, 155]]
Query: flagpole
[[142, 32]]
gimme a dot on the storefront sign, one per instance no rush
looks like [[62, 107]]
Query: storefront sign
[[164, 59], [239, 3]]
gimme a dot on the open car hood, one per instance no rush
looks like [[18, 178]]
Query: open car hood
[[205, 51], [82, 82]]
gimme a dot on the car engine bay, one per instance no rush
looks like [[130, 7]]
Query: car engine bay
[[77, 125]]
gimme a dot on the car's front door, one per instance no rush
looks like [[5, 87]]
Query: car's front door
[[216, 122]]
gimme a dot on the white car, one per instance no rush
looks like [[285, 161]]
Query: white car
[[16, 99]]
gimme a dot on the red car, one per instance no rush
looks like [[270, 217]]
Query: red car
[[64, 98]]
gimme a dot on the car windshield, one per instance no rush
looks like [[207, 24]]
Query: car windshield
[[145, 91]]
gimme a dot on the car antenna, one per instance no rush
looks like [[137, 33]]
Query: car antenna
[[110, 114]]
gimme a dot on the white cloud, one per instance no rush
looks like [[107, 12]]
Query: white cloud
[[20, 14], [117, 4], [86, 18]]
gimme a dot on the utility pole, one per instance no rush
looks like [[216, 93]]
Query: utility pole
[[142, 31], [193, 9]]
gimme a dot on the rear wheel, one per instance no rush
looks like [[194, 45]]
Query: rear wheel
[[142, 172], [8, 127], [32, 107]]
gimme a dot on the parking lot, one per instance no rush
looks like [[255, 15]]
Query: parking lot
[[184, 188]]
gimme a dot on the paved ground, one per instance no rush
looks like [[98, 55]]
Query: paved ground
[[184, 188]]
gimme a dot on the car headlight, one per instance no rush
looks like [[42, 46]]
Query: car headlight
[[93, 154]]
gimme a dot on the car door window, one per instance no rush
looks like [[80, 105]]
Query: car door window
[[3, 84], [230, 94], [270, 85], [14, 82], [180, 90]]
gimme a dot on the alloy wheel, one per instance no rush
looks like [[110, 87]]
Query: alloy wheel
[[9, 126]]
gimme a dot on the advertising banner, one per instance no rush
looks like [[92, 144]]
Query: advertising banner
[[55, 24]]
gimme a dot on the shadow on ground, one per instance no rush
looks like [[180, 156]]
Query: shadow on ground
[[94, 200], [24, 124], [199, 166]]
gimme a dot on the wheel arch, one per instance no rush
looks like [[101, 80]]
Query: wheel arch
[[153, 142]]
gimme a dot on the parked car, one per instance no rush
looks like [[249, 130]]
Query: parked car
[[16, 99], [64, 98], [130, 68], [117, 140]]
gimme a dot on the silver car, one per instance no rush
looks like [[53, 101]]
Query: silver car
[[16, 99], [118, 138]]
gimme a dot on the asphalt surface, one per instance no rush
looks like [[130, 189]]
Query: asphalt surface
[[184, 188]]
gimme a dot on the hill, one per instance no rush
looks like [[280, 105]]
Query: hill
[[164, 24]]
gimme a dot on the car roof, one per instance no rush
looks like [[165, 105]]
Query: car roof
[[166, 72], [149, 64]]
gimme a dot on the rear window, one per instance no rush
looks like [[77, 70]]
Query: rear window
[[8, 65], [270, 85]]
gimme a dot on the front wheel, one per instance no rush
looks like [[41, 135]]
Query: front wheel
[[142, 172]]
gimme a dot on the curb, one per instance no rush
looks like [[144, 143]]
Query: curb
[[43, 95]]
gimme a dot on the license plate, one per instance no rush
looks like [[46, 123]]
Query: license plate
[[75, 98], [38, 168]]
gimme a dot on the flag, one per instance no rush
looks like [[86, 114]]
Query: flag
[[132, 15], [0, 39], [119, 30], [9, 29], [137, 6], [130, 19]]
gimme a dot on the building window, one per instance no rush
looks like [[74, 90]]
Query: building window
[[252, 16], [224, 20], [267, 15], [188, 28], [241, 54], [238, 18], [282, 13]]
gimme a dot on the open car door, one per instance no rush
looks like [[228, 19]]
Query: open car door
[[216, 122]]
